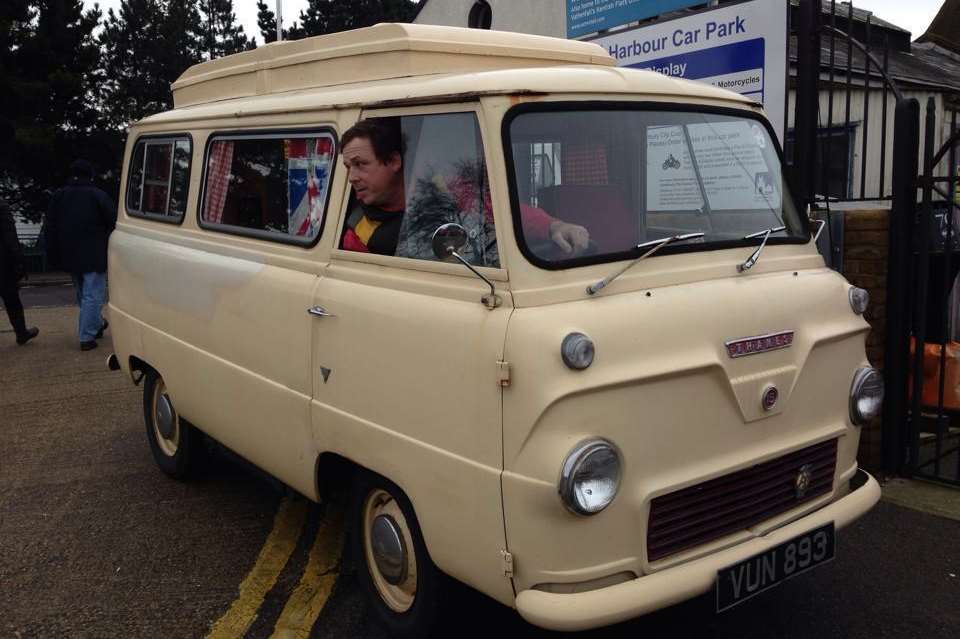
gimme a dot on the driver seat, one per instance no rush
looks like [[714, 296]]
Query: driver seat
[[601, 208]]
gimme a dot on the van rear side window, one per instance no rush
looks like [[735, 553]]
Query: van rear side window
[[159, 178], [272, 186]]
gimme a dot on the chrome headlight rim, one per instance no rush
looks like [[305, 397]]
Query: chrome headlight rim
[[572, 463], [860, 379]]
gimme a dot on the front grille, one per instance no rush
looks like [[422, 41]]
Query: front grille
[[708, 511]]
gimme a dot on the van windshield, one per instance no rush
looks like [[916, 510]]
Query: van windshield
[[630, 176]]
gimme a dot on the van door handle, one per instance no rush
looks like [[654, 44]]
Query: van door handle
[[319, 311]]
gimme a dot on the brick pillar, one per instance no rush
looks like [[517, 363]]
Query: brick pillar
[[865, 265]]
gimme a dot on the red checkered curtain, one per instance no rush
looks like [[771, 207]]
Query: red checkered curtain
[[583, 164], [155, 200], [218, 179]]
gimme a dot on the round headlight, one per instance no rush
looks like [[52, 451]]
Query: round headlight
[[859, 299], [866, 395], [590, 477], [577, 351]]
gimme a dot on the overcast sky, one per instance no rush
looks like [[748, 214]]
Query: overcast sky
[[913, 15]]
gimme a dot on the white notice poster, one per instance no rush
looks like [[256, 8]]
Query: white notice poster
[[671, 181], [734, 172]]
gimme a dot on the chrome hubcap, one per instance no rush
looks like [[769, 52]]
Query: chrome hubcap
[[389, 550], [166, 424], [165, 416]]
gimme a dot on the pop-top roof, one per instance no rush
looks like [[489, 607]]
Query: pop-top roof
[[374, 53]]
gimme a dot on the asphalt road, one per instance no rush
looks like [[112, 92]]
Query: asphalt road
[[96, 542]]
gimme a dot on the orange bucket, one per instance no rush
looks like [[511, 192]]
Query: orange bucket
[[931, 375]]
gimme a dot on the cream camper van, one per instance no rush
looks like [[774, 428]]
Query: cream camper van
[[585, 431]]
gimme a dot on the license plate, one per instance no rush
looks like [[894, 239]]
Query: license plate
[[752, 576]]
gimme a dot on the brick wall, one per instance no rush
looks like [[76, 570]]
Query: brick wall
[[865, 265]]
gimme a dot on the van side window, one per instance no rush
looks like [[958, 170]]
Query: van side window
[[272, 186], [444, 180], [159, 178]]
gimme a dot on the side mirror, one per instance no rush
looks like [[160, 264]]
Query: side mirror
[[448, 239]]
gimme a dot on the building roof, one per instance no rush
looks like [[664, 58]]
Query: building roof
[[419, 8], [944, 31], [859, 15], [379, 52], [924, 66], [928, 65]]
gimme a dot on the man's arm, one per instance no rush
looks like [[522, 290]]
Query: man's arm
[[8, 234], [539, 225], [108, 212]]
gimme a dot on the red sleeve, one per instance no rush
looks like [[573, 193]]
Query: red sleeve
[[352, 242], [536, 222]]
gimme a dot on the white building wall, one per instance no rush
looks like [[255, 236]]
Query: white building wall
[[874, 132], [539, 17]]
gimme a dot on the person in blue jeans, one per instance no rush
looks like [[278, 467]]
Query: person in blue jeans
[[80, 219]]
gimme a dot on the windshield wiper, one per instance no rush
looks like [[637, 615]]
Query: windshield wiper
[[654, 245], [750, 261]]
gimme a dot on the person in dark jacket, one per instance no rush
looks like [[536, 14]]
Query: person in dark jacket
[[79, 222], [12, 270]]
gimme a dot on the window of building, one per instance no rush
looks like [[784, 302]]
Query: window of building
[[273, 186], [159, 178], [481, 15], [835, 150]]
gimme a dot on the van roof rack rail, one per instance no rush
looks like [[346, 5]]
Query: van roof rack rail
[[379, 52]]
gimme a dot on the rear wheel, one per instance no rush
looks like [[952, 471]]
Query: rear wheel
[[175, 443], [402, 585]]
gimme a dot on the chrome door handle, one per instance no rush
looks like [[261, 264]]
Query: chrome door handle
[[319, 311]]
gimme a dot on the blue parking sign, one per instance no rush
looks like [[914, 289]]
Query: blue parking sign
[[590, 16]]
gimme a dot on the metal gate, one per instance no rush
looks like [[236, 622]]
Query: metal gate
[[922, 415], [837, 53]]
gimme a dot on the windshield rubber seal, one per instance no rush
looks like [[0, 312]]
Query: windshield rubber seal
[[627, 105]]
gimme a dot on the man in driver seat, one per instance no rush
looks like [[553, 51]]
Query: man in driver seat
[[372, 151]]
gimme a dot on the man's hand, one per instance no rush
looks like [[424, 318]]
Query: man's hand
[[573, 239]]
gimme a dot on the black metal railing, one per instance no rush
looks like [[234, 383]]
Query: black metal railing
[[833, 67], [934, 417]]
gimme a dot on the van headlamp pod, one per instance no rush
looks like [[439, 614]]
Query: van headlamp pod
[[866, 395], [859, 299], [590, 477]]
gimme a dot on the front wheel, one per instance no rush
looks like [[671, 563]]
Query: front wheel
[[175, 443], [402, 585]]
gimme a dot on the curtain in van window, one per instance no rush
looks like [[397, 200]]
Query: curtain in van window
[[584, 164], [308, 175], [218, 179]]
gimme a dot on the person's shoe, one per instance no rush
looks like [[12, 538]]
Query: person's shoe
[[103, 327], [88, 346], [28, 335]]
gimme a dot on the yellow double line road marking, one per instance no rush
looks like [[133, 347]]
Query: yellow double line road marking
[[317, 582], [304, 605]]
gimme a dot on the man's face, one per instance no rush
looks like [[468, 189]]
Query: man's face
[[375, 183]]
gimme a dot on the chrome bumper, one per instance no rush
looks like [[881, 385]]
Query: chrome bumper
[[606, 606]]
